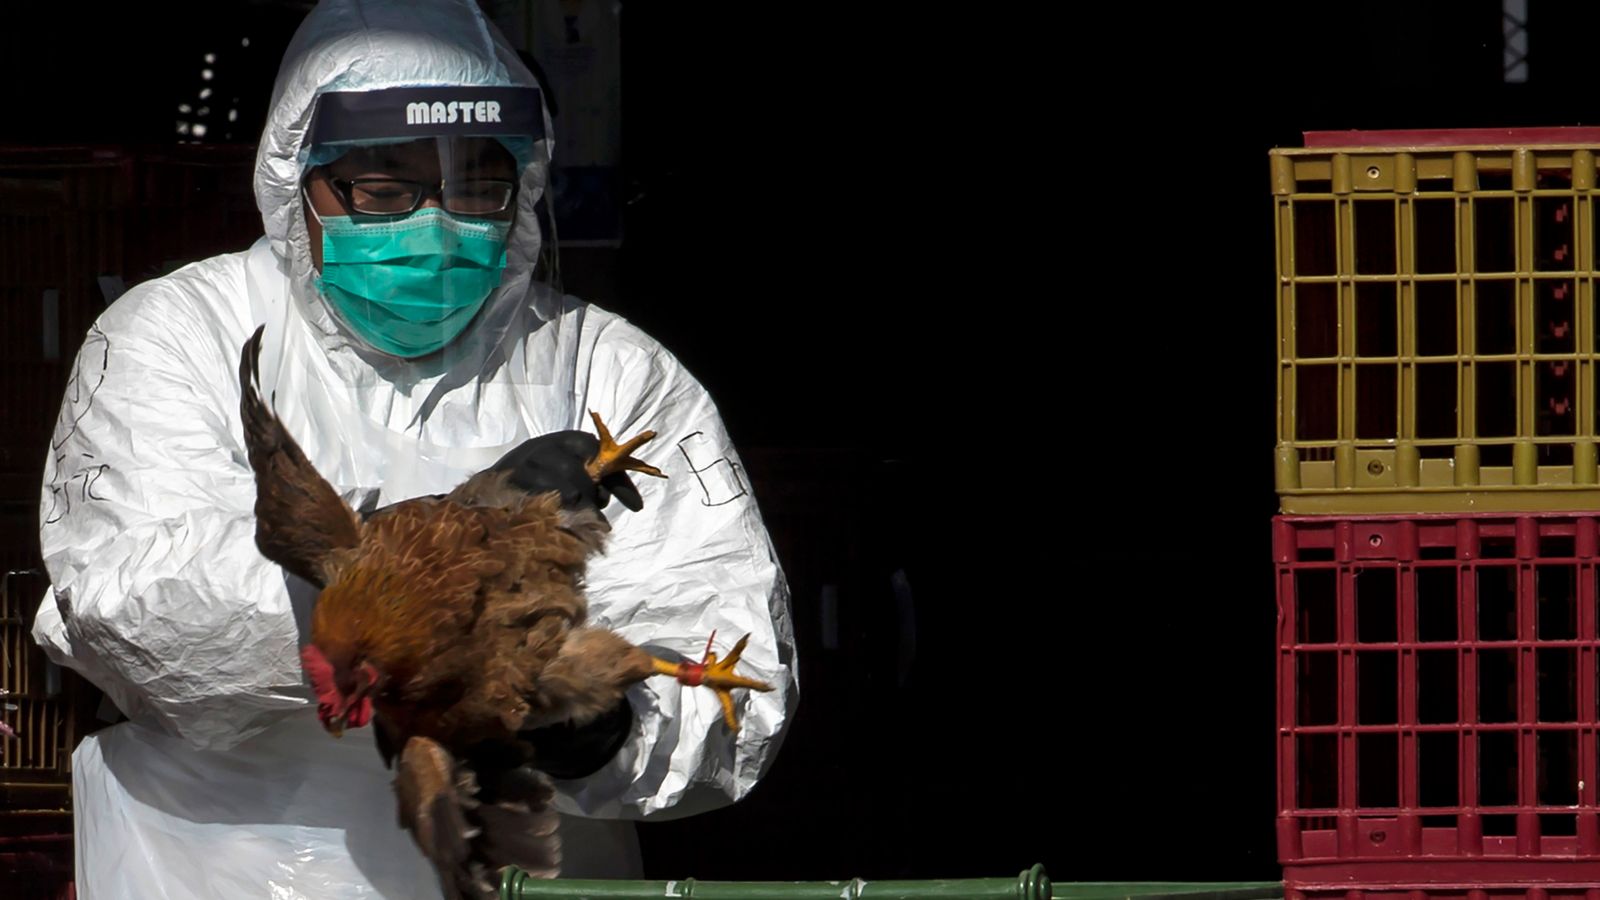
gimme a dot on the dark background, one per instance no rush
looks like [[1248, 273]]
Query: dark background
[[986, 300]]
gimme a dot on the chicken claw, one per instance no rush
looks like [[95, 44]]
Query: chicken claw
[[715, 674]]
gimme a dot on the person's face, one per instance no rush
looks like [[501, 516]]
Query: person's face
[[468, 159]]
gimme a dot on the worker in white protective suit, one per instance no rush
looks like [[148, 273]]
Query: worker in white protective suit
[[222, 784]]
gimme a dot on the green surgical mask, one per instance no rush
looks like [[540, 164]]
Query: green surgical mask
[[409, 285]]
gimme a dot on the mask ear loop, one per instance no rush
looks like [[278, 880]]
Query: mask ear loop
[[311, 210], [316, 272]]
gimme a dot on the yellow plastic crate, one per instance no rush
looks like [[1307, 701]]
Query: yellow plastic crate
[[1436, 322]]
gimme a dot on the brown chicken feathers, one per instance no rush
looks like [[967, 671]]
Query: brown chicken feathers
[[454, 624]]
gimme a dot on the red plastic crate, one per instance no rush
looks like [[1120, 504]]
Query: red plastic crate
[[1437, 700], [37, 866], [1552, 891]]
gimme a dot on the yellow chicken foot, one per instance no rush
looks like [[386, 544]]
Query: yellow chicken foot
[[715, 674], [614, 457]]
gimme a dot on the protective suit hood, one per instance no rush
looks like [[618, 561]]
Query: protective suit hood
[[433, 43]]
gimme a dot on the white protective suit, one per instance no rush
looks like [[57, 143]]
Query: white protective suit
[[223, 785]]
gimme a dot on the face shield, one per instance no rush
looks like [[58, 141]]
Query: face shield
[[513, 115], [413, 309], [411, 197]]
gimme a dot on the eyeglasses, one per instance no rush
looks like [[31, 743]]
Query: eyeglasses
[[393, 196]]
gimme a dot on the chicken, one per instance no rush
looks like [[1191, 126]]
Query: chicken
[[455, 625]]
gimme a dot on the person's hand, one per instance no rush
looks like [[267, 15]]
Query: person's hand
[[564, 750], [555, 462]]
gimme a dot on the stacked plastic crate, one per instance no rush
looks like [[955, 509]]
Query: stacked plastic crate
[[192, 201], [1439, 692], [62, 222], [75, 225], [61, 226]]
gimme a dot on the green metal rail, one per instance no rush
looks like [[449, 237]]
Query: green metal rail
[[1032, 884]]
